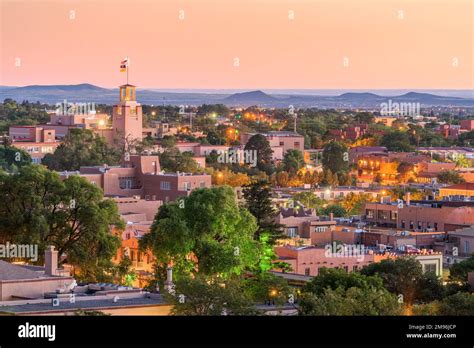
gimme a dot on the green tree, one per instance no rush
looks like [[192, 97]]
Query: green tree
[[11, 158], [24, 113], [466, 139], [405, 276], [293, 161], [462, 162], [168, 141], [364, 117], [204, 233], [396, 140], [461, 303], [258, 202], [333, 278], [71, 214], [459, 271], [214, 138], [335, 157], [81, 147], [172, 160], [267, 287], [354, 203], [260, 144], [204, 296], [309, 200], [352, 301], [450, 177], [337, 209]]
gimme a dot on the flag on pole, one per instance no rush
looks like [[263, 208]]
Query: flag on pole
[[124, 65]]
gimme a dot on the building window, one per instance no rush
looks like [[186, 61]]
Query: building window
[[320, 229], [47, 149], [187, 186], [306, 271], [403, 224], [354, 268], [292, 232], [165, 185], [297, 144], [436, 226], [125, 183], [202, 184], [346, 269], [282, 143], [370, 214], [31, 149], [466, 247], [430, 267]]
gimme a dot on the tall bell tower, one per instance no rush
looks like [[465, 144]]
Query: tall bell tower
[[127, 116]]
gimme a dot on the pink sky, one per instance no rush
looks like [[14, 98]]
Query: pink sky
[[383, 51]]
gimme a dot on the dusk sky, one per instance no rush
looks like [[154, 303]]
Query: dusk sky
[[240, 43]]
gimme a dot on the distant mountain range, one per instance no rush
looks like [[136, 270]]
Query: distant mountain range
[[53, 94]]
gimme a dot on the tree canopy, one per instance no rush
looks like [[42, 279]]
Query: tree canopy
[[205, 233], [405, 276], [260, 144], [40, 208], [258, 203], [11, 158], [81, 147], [335, 157]]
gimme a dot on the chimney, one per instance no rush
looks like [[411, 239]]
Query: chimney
[[407, 198], [331, 216], [169, 275], [50, 261], [169, 286]]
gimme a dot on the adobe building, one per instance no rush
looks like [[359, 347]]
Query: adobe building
[[25, 282], [421, 216], [449, 153], [463, 239], [37, 141], [142, 177], [280, 142], [310, 260], [464, 190], [467, 125], [358, 151], [385, 166], [302, 222], [429, 171]]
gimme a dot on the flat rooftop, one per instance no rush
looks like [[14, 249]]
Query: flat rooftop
[[36, 308]]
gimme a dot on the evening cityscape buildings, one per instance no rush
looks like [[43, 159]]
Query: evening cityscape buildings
[[428, 228], [239, 196]]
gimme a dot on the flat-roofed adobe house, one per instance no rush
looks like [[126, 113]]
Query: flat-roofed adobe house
[[26, 282]]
